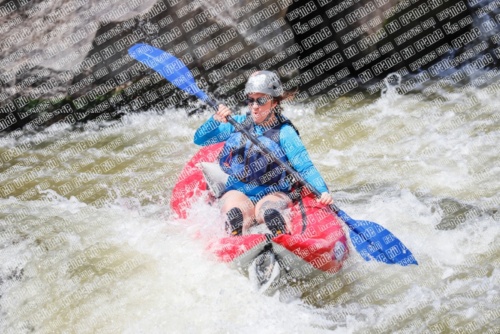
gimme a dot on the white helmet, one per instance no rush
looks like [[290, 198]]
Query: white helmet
[[265, 82]]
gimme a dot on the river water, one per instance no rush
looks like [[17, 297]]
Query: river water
[[88, 243]]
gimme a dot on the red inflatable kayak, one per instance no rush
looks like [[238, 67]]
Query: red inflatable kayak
[[316, 241]]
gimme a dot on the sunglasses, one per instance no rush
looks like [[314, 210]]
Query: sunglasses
[[260, 101]]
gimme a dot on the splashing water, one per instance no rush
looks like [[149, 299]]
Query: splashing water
[[94, 248]]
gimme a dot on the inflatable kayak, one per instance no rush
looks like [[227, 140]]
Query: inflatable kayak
[[316, 241]]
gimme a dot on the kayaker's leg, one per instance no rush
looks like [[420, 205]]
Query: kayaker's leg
[[272, 209], [239, 212]]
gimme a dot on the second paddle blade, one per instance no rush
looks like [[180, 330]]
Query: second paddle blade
[[373, 241], [169, 66]]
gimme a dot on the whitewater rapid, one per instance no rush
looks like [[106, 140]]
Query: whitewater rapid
[[97, 249]]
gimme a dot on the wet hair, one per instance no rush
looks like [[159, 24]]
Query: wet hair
[[288, 95]]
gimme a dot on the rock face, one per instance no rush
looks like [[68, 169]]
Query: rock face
[[48, 45], [370, 39], [55, 34], [67, 60], [74, 54]]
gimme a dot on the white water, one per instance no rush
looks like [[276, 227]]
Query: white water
[[427, 173]]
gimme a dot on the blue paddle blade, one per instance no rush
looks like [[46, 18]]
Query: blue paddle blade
[[372, 241], [170, 67]]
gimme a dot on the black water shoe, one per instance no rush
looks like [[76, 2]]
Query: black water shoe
[[234, 222], [275, 222]]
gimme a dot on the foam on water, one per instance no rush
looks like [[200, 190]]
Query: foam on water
[[429, 173], [116, 270]]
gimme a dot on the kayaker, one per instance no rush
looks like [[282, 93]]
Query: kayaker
[[258, 190]]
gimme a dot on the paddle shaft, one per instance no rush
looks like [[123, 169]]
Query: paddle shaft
[[266, 151]]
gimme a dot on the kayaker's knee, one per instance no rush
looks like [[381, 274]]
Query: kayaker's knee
[[234, 198]]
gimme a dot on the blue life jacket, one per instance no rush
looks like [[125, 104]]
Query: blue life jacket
[[244, 160]]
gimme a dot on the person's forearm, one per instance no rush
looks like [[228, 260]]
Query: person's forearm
[[300, 161], [213, 131], [208, 133], [309, 173]]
